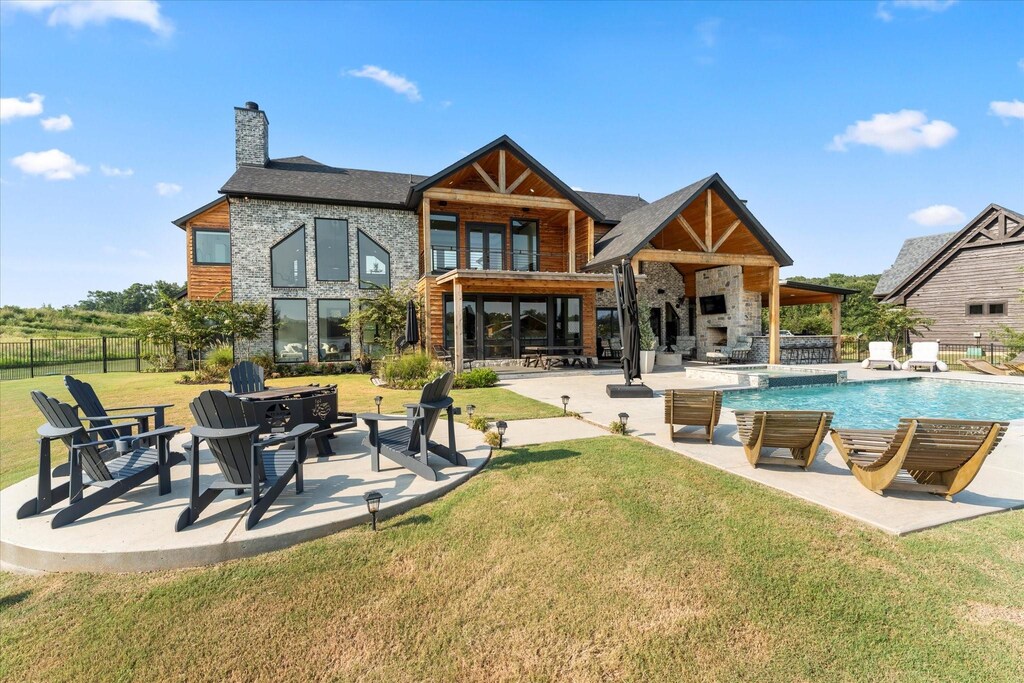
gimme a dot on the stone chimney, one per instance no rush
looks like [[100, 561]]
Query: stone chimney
[[251, 147]]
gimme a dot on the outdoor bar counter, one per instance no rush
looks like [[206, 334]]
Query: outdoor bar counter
[[796, 350]]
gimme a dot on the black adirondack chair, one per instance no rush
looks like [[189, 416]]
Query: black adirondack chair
[[247, 377], [98, 416], [409, 445], [114, 466], [230, 428]]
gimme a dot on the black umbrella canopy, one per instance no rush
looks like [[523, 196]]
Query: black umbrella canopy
[[629, 323], [412, 326]]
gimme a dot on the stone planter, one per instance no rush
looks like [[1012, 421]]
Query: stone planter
[[647, 361]]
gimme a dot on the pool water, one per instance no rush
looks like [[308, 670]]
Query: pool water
[[880, 405]]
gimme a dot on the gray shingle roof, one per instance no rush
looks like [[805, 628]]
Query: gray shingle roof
[[613, 206], [303, 178], [638, 226], [913, 253]]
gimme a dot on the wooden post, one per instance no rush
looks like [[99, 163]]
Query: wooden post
[[501, 171], [572, 240], [707, 223], [773, 315], [590, 238], [427, 343], [457, 325], [837, 325], [428, 261]]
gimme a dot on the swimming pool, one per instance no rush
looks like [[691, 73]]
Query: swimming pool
[[880, 404]]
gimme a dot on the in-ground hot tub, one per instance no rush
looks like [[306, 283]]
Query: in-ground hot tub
[[767, 376]]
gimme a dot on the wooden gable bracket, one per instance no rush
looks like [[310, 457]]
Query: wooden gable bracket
[[725, 235], [515, 183], [487, 179], [691, 232]]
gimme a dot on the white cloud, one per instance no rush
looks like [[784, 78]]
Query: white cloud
[[1007, 110], [52, 165], [884, 10], [938, 214], [80, 13], [114, 172], [1020, 63], [394, 82], [15, 108], [56, 124], [167, 189], [903, 131], [707, 31]]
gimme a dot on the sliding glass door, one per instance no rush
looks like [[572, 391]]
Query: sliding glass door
[[486, 246], [508, 325], [497, 332]]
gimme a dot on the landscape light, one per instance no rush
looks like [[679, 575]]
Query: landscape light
[[623, 418], [502, 426], [377, 400], [565, 403], [372, 499], [470, 408]]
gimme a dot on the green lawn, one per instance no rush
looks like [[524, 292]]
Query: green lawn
[[599, 559], [19, 417]]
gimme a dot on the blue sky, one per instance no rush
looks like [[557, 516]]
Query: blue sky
[[847, 127]]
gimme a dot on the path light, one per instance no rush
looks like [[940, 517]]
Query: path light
[[502, 426], [470, 408], [377, 400], [372, 499], [565, 403], [623, 418]]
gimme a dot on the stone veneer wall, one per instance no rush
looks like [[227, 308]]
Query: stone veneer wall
[[659, 276], [742, 317], [258, 224]]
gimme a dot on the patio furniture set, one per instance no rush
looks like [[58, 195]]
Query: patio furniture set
[[921, 454], [256, 435]]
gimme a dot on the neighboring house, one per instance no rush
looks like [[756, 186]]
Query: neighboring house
[[969, 282], [505, 255]]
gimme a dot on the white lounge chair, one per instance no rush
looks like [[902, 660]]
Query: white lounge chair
[[880, 356], [925, 355]]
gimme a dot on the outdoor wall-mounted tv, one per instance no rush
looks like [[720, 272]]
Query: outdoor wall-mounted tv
[[710, 305]]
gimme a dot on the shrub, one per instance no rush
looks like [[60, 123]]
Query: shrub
[[411, 370], [617, 427], [218, 362], [265, 361], [492, 438], [477, 378], [479, 423]]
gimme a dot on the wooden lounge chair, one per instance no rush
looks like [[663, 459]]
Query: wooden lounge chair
[[801, 431], [247, 377], [983, 366], [925, 355], [940, 456], [409, 445], [880, 356], [92, 410], [692, 407], [229, 426], [114, 466]]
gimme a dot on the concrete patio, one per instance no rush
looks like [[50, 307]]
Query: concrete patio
[[136, 533], [998, 486]]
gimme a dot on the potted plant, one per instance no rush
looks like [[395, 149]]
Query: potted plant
[[648, 342]]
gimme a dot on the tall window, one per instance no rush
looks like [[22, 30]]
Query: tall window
[[332, 330], [468, 326], [290, 331], [568, 322], [525, 245], [533, 322], [331, 249], [609, 344], [374, 263], [211, 247], [288, 261], [444, 242]]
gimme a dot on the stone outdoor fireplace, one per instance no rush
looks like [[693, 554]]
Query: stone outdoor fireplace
[[742, 316]]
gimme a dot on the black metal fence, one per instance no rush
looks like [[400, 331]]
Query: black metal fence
[[855, 349], [37, 357]]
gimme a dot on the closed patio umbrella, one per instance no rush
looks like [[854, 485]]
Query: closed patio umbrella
[[629, 324], [412, 327]]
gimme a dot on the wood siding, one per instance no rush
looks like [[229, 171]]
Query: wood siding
[[206, 282], [988, 274]]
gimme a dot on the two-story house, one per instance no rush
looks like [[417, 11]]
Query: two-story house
[[504, 254]]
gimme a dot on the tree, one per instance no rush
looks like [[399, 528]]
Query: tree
[[137, 298], [382, 314], [243, 321], [896, 323]]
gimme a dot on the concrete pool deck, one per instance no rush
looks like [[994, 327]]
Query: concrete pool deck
[[998, 486], [136, 532]]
